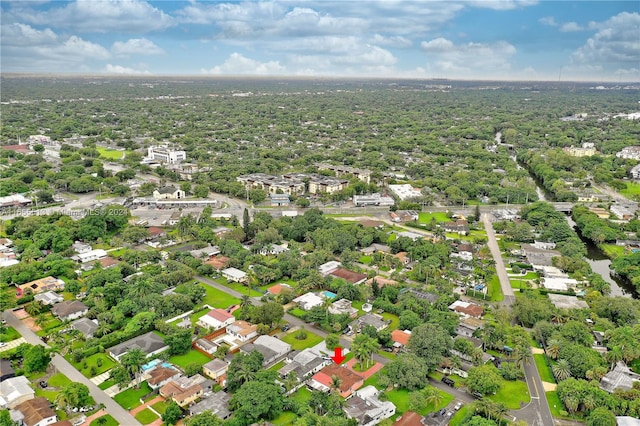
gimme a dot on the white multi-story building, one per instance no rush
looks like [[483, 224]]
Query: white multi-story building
[[405, 191], [164, 154], [635, 172], [630, 153]]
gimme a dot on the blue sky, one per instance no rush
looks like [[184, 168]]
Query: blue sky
[[472, 39]]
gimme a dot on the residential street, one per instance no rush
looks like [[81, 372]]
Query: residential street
[[492, 242], [121, 415]]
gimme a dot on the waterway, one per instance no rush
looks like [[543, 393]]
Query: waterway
[[601, 265], [598, 261]]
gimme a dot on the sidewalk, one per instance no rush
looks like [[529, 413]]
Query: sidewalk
[[13, 344], [100, 378]]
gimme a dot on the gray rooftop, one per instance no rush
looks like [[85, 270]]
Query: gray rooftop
[[149, 342], [85, 326], [218, 404]]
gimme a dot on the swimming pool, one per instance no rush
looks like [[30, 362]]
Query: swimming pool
[[329, 295]]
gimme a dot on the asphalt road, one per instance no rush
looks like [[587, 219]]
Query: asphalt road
[[537, 412], [505, 284], [122, 416]]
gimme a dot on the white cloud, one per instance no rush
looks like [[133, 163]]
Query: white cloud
[[29, 49], [502, 4], [238, 64], [119, 69], [101, 16], [136, 46], [470, 60], [391, 41], [615, 42], [570, 27], [548, 20]]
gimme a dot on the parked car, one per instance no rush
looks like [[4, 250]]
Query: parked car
[[448, 381], [285, 327], [441, 412], [457, 406], [43, 384], [477, 394]]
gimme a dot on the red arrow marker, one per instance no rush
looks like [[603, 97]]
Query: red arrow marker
[[337, 356]]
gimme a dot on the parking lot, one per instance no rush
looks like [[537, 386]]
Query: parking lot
[[443, 416]]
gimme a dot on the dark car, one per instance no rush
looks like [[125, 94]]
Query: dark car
[[285, 327], [477, 394], [43, 384], [448, 381], [441, 412]]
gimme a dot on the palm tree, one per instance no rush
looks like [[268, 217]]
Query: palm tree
[[133, 361], [561, 370], [64, 398], [589, 401], [335, 383], [432, 396], [245, 374], [484, 406], [572, 403], [35, 308], [104, 328], [522, 355], [553, 348], [291, 381], [499, 409]]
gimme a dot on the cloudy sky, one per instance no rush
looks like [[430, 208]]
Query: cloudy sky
[[472, 39]]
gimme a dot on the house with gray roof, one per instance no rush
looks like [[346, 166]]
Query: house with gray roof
[[271, 348], [621, 377], [69, 310], [14, 391], [218, 404], [304, 363], [85, 326], [149, 343], [48, 298], [374, 320]]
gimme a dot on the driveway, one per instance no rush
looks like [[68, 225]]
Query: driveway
[[492, 242], [121, 415]]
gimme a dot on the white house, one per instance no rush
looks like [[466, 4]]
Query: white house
[[48, 298], [242, 330], [308, 301], [90, 256], [216, 319], [405, 191], [326, 268], [15, 390], [273, 249], [365, 407], [235, 275]]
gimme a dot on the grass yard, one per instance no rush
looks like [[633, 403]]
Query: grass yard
[[92, 361], [543, 369], [365, 260], [425, 217], [512, 394], [190, 357], [49, 394], [219, 299], [58, 380], [110, 421], [9, 334], [612, 251], [161, 406], [557, 407], [106, 384], [494, 289], [297, 312], [110, 154], [277, 366], [302, 395], [298, 345], [194, 317], [436, 375], [146, 416], [240, 288], [130, 398], [395, 321], [385, 354], [632, 191]]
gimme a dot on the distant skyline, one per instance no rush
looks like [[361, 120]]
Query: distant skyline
[[473, 39]]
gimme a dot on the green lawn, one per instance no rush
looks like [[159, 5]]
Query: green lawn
[[612, 251], [130, 398], [110, 421], [58, 380], [494, 289], [190, 357], [298, 345], [436, 375], [110, 154], [146, 416], [365, 259], [161, 406], [106, 384], [302, 395], [92, 361], [297, 312], [385, 354], [218, 299], [632, 191], [557, 407], [395, 321], [195, 316], [512, 394], [543, 369], [9, 334], [277, 366], [425, 217]]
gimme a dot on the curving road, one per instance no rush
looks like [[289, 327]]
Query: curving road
[[121, 415]]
